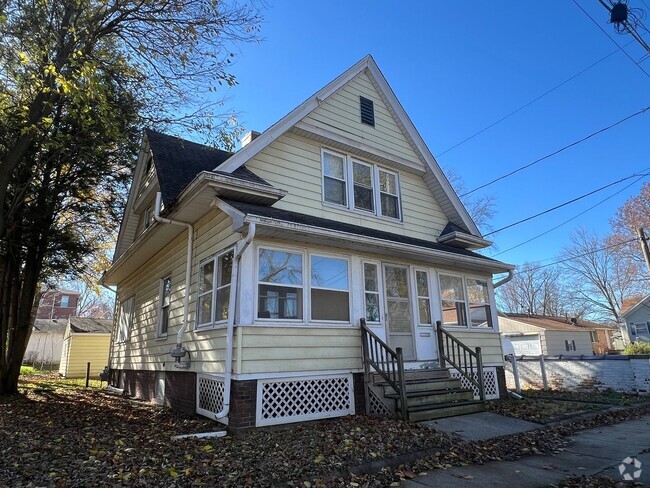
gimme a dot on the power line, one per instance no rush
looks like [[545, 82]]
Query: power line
[[528, 270], [563, 204], [569, 220], [612, 39], [516, 111]]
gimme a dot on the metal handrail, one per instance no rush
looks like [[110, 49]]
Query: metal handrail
[[388, 363], [460, 357]]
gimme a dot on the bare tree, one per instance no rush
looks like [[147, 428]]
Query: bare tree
[[601, 275], [480, 207]]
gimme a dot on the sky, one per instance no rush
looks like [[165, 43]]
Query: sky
[[457, 67]]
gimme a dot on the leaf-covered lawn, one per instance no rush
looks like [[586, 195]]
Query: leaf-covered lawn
[[541, 410], [58, 433], [609, 397]]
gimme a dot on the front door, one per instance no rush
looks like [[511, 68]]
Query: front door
[[399, 323]]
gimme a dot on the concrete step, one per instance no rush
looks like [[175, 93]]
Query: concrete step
[[427, 385], [433, 398], [419, 375], [426, 412]]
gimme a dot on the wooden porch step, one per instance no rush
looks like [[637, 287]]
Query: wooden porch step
[[424, 374], [429, 412], [427, 385], [433, 398]]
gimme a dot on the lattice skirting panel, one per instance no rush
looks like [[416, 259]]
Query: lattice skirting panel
[[376, 405], [489, 382], [210, 391], [286, 400]]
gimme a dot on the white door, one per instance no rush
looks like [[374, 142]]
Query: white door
[[399, 323], [526, 345]]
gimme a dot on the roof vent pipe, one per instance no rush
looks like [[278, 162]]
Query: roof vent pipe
[[249, 137]]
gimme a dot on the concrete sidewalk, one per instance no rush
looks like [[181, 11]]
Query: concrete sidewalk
[[591, 452], [482, 425]]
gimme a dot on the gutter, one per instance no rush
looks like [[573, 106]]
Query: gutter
[[241, 246], [180, 351], [511, 275]]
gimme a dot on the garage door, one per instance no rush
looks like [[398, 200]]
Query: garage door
[[526, 345]]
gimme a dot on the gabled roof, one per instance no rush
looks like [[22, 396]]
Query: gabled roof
[[554, 323], [435, 178], [178, 162], [318, 222], [90, 325], [631, 305]]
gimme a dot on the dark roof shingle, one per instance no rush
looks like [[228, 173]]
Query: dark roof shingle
[[178, 161], [299, 218]]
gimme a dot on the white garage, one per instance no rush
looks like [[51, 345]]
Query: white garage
[[528, 345]]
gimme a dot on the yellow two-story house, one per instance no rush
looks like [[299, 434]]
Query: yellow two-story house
[[302, 277]]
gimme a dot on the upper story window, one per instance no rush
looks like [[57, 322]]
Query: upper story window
[[465, 302], [215, 276], [294, 289], [360, 186], [65, 301], [148, 217]]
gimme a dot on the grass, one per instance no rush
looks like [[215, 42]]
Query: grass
[[35, 379], [607, 397]]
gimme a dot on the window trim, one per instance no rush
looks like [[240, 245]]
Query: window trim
[[159, 333], [349, 161], [212, 324], [67, 301], [373, 178], [645, 329], [306, 320]]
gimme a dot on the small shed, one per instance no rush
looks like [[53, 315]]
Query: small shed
[[86, 340], [45, 343]]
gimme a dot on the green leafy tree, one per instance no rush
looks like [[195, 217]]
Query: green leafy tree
[[78, 79]]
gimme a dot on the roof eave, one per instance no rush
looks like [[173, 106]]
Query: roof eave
[[464, 240]]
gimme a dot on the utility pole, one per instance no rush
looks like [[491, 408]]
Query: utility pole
[[644, 247]]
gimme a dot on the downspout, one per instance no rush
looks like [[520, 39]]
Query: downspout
[[179, 351], [232, 307]]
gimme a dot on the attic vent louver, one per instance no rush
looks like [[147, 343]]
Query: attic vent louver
[[367, 111]]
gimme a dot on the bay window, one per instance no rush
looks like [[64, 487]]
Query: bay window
[[215, 277], [279, 285], [360, 186], [465, 302], [330, 289]]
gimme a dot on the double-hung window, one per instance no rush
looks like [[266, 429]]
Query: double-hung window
[[330, 289], [125, 320], [594, 336], [465, 302], [335, 178], [360, 186], [280, 284], [570, 345], [165, 302], [215, 276]]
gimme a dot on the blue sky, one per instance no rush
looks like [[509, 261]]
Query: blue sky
[[456, 67]]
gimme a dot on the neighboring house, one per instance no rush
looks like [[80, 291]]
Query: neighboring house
[[58, 304], [635, 314], [533, 335], [245, 302], [45, 343], [85, 341]]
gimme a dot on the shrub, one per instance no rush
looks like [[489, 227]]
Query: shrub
[[637, 348]]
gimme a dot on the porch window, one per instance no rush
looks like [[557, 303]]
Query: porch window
[[165, 301], [330, 289], [280, 285], [424, 305], [371, 290], [334, 178], [364, 198], [479, 303], [453, 301], [215, 276]]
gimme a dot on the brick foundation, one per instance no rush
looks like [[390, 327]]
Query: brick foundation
[[243, 404], [180, 391], [359, 394], [501, 382]]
